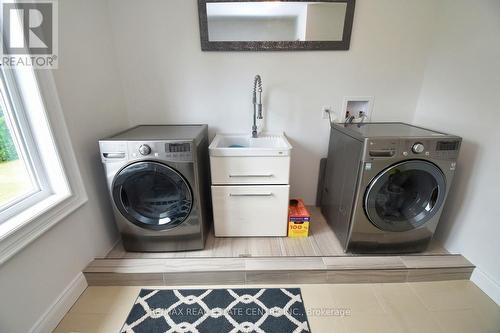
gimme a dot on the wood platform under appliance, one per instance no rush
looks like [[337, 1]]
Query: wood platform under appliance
[[321, 242], [316, 259]]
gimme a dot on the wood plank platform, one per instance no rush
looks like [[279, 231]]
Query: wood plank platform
[[321, 242], [353, 269], [316, 259]]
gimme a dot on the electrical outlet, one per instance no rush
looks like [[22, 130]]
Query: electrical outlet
[[324, 112]]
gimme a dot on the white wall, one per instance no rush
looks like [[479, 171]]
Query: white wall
[[92, 102], [460, 95], [168, 79]]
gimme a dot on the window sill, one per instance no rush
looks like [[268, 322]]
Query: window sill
[[22, 229]]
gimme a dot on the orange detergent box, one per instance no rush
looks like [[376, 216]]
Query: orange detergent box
[[298, 219]]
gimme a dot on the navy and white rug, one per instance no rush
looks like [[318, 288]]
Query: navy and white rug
[[218, 310]]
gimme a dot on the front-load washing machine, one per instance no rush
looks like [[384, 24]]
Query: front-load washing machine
[[385, 185], [158, 179]]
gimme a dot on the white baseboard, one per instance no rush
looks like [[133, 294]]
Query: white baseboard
[[486, 284], [51, 318]]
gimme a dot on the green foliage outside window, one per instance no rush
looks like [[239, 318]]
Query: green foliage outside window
[[7, 149]]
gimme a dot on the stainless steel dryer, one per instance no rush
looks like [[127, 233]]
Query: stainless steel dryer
[[158, 179], [385, 185]]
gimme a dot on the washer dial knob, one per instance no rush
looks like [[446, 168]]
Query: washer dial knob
[[145, 150], [418, 148]]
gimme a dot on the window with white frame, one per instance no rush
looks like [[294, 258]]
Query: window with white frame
[[23, 176], [38, 184]]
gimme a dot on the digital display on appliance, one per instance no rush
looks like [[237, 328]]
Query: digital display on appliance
[[447, 145], [178, 147]]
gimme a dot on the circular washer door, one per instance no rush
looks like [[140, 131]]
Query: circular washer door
[[405, 196], [152, 195]]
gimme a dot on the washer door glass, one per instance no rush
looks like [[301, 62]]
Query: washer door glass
[[152, 195], [405, 196]]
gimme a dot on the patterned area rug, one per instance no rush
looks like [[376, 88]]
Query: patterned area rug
[[218, 310]]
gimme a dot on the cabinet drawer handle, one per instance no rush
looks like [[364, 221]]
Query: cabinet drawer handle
[[250, 194], [239, 176]]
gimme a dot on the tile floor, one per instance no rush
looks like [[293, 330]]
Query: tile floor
[[447, 306]]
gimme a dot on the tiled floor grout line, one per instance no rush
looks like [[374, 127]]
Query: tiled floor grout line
[[377, 297]]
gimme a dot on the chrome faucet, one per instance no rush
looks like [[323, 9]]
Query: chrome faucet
[[257, 103]]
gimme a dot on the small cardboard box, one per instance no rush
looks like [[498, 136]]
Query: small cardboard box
[[298, 219]]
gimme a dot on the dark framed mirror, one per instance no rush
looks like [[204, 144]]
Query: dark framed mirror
[[260, 25]]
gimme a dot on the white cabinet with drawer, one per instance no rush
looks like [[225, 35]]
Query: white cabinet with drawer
[[250, 170], [250, 185], [250, 210]]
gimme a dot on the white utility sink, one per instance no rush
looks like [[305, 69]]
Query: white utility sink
[[250, 184], [246, 145]]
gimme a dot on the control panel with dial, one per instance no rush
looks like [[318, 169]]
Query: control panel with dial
[[144, 150], [418, 148]]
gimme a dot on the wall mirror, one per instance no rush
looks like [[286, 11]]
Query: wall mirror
[[259, 25]]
